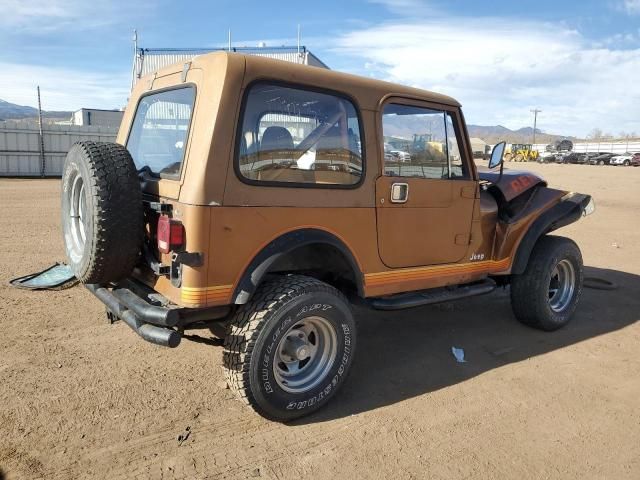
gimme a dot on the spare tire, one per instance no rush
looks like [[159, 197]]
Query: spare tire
[[102, 212]]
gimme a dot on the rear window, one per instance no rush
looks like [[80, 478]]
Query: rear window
[[159, 133], [296, 136]]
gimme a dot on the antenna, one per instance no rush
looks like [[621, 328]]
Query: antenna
[[298, 39], [229, 39], [135, 57]]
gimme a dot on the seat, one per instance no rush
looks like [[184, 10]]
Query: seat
[[277, 158], [276, 138]]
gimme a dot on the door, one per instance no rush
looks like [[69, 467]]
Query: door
[[426, 193]]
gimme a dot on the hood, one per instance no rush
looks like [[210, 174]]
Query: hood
[[512, 183]]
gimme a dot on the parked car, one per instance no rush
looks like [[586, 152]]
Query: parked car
[[188, 222], [574, 157], [562, 157], [624, 159], [547, 157], [401, 156], [602, 158], [635, 160], [586, 157], [563, 145]]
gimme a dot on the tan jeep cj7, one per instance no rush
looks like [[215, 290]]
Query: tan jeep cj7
[[259, 198]]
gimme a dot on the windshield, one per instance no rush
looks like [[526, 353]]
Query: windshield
[[159, 132]]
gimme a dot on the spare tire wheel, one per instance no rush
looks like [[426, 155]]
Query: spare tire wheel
[[102, 212]]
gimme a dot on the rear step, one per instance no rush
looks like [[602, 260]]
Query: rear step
[[436, 295]]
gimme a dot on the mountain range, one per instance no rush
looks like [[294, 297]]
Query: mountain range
[[11, 111], [498, 133]]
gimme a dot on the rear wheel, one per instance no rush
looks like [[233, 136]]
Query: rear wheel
[[288, 350], [546, 295], [627, 163]]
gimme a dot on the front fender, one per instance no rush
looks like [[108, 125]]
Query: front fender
[[568, 210]]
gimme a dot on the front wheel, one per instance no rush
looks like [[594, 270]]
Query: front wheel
[[288, 350], [546, 295]]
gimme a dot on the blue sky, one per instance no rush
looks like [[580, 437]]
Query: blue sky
[[579, 61]]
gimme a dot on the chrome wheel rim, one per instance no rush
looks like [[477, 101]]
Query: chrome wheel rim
[[77, 214], [562, 284], [305, 354]]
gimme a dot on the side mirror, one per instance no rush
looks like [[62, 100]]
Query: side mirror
[[496, 155]]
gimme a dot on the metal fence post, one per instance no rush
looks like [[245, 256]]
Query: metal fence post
[[41, 133]]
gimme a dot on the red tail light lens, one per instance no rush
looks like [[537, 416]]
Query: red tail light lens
[[170, 234]]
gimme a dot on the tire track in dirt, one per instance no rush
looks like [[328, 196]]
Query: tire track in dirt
[[210, 451]]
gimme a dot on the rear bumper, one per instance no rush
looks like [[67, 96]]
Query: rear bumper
[[142, 317], [160, 323]]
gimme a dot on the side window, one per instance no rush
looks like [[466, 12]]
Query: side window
[[297, 136], [159, 132], [420, 142]]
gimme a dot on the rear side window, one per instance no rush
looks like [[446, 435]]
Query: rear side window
[[295, 136], [159, 133]]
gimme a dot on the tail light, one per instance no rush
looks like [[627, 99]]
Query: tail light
[[170, 234]]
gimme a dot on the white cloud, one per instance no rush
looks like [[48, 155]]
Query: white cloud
[[620, 39], [499, 72], [631, 6], [62, 89]]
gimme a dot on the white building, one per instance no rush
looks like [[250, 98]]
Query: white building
[[478, 146], [149, 60], [97, 117]]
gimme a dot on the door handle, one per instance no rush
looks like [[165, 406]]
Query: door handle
[[399, 192]]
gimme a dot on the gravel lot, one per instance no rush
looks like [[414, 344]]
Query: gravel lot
[[80, 398]]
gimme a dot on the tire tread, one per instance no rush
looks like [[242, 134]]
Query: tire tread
[[117, 212], [250, 319], [525, 288]]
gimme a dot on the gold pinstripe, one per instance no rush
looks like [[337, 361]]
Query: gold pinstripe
[[424, 273], [198, 296], [222, 293]]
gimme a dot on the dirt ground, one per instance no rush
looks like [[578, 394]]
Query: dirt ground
[[80, 398]]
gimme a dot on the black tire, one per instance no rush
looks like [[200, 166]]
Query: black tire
[[601, 162], [218, 329], [627, 163], [254, 338], [103, 240], [530, 291]]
